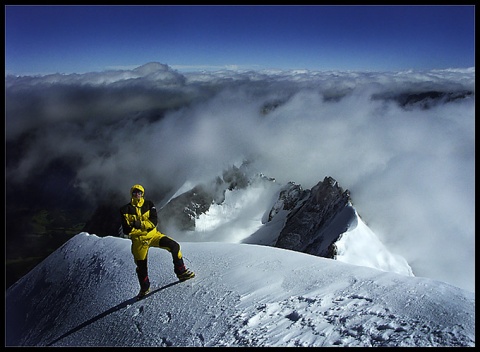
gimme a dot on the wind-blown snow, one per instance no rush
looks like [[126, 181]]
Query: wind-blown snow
[[360, 246], [245, 206], [243, 295]]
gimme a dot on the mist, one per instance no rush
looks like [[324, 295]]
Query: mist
[[409, 166]]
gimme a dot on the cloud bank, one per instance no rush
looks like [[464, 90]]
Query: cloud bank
[[401, 142]]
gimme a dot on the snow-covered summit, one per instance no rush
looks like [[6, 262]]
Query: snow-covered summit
[[243, 295]]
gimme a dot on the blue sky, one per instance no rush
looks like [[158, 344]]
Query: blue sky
[[79, 39]]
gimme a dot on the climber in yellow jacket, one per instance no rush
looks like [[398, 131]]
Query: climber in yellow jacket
[[139, 222]]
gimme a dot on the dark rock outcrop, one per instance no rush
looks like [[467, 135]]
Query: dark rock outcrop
[[290, 197], [182, 211], [423, 99], [319, 217]]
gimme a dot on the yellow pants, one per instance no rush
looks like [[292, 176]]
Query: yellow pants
[[141, 244]]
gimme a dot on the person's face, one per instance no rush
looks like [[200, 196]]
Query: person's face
[[137, 194]]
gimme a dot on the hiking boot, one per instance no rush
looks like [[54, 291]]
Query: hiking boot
[[143, 293], [183, 273]]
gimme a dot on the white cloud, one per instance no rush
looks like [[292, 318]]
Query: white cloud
[[410, 171]]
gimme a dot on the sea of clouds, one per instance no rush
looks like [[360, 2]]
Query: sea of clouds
[[410, 169]]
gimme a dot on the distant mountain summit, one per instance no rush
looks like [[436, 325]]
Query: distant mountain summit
[[311, 221], [316, 217], [151, 67]]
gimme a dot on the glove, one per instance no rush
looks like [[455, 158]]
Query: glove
[[137, 224]]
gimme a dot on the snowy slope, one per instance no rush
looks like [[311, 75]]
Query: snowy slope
[[243, 295]]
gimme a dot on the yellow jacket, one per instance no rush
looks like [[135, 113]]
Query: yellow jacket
[[140, 210]]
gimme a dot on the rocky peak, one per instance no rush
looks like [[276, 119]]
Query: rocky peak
[[316, 223], [289, 198]]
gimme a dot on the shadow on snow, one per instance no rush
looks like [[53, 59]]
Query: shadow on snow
[[122, 305]]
